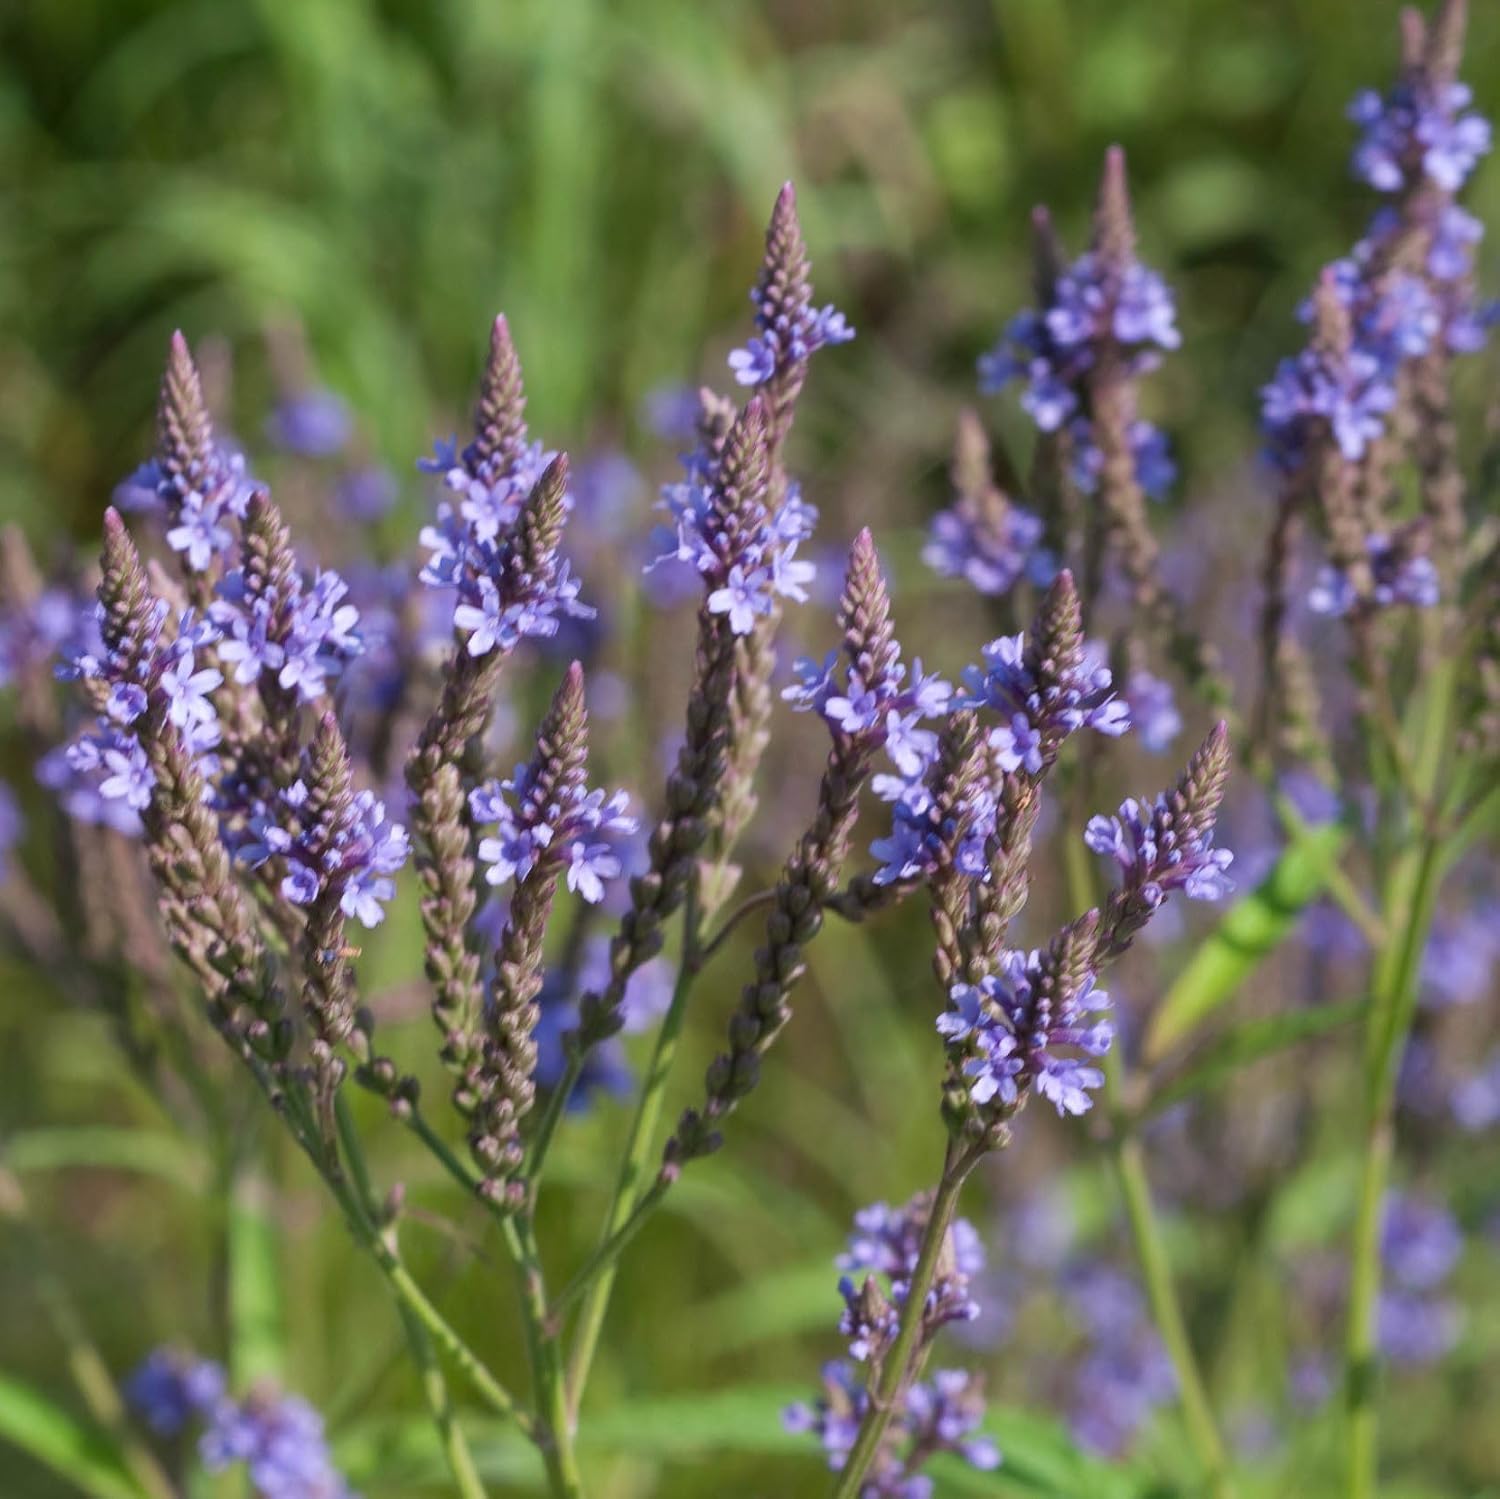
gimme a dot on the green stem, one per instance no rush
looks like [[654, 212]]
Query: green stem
[[1146, 1235], [1166, 1311], [554, 1433], [899, 1365], [1413, 889], [634, 1165], [604, 1257], [439, 1404]]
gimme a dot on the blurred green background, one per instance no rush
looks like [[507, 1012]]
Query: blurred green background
[[392, 174]]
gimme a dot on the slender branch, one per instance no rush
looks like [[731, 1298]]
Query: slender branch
[[749, 904], [435, 1392], [608, 1251], [634, 1163]]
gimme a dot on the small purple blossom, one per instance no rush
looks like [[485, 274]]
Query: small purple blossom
[[575, 831], [170, 1389], [1158, 855], [1417, 130], [1397, 577], [312, 423], [1005, 1036], [280, 1440]]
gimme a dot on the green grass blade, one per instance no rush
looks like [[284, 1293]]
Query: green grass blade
[[59, 1440], [1251, 931]]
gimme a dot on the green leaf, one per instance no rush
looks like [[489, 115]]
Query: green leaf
[[1251, 931], [1251, 1041], [81, 1453], [150, 1152], [254, 1290]]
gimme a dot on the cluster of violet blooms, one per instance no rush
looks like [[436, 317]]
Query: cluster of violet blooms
[[217, 738], [277, 1438]]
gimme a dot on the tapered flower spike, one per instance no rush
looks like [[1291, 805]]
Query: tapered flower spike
[[1165, 846], [500, 419], [1114, 229], [507, 1073], [185, 439], [329, 998], [1055, 644], [204, 910], [811, 875]]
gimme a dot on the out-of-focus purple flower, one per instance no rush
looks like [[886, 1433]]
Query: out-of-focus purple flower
[[989, 553], [1417, 129], [1353, 394], [367, 493], [170, 1389], [279, 1439], [1460, 959], [1397, 576], [608, 489], [1476, 1098], [1098, 308], [1420, 1242], [1012, 1031], [312, 423], [1153, 711], [1415, 1330], [671, 412], [1126, 1373]]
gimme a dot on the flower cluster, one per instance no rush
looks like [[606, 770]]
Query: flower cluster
[[1006, 1031], [1098, 310], [508, 586], [940, 1414], [1420, 1244], [279, 1438], [745, 552], [886, 1243], [574, 829], [983, 537], [352, 849], [1158, 854], [1042, 702], [887, 711], [122, 680], [1421, 128], [1398, 575], [301, 636], [1125, 1373]]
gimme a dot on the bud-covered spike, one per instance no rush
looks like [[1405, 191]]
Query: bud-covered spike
[[539, 527], [562, 740], [124, 594], [184, 431], [1056, 640], [865, 614], [1202, 786], [971, 471], [1114, 230], [744, 468], [1072, 956], [500, 418]]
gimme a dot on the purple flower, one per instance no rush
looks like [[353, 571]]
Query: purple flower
[[1039, 710], [1397, 577], [574, 831], [281, 1443], [200, 534], [1418, 129], [366, 494], [1153, 711], [745, 597], [990, 552], [170, 1389], [1158, 853], [1005, 1032], [312, 423], [1420, 1242]]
